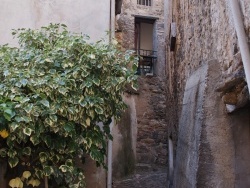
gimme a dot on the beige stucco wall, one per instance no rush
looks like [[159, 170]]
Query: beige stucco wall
[[124, 140], [91, 17], [87, 16]]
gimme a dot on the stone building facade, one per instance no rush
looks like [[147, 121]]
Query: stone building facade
[[131, 10], [206, 86], [192, 110]]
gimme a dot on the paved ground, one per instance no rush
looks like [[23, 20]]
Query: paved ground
[[156, 178]]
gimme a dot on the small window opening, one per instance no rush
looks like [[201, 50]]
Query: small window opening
[[144, 2]]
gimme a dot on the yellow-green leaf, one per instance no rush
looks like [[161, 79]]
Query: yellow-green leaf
[[26, 174], [88, 122]]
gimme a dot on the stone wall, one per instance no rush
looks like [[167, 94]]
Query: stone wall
[[126, 26], [140, 138], [145, 125], [141, 135], [205, 31], [151, 147]]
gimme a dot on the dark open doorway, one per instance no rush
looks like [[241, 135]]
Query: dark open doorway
[[144, 45]]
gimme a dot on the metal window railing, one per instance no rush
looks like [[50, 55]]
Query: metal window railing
[[144, 2], [147, 61]]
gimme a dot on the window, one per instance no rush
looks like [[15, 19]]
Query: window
[[144, 2]]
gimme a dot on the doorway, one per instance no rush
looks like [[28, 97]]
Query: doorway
[[144, 45]]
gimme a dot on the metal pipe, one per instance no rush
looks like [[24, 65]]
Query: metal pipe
[[170, 162], [167, 17], [110, 143], [112, 20], [242, 38], [110, 149]]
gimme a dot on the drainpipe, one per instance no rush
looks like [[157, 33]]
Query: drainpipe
[[112, 20], [242, 39], [109, 178], [112, 35], [167, 16], [170, 163]]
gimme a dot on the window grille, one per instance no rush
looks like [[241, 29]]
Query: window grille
[[144, 2]]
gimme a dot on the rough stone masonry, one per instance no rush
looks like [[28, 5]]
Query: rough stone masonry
[[147, 108], [205, 32]]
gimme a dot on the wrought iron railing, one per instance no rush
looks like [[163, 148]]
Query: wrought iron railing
[[147, 61]]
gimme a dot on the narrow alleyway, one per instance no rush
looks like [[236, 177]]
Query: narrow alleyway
[[155, 178]]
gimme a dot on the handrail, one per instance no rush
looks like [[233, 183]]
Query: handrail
[[147, 60]]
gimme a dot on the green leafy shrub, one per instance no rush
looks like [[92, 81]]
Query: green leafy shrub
[[55, 88]]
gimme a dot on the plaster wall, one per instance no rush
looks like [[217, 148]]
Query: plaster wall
[[124, 140], [190, 129], [221, 155], [89, 17], [206, 146], [3, 168]]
